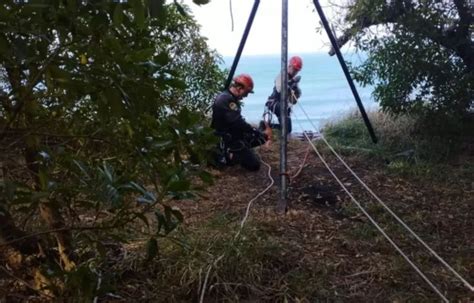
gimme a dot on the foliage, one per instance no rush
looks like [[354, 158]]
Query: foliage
[[99, 125], [401, 146], [190, 59], [230, 269], [419, 55]]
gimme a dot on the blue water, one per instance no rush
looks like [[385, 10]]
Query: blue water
[[326, 95]]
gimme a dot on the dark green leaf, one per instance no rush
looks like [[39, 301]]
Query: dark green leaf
[[143, 218], [59, 74], [162, 58], [201, 2], [72, 5], [180, 9], [118, 14], [139, 13], [8, 189], [4, 45], [142, 54], [157, 10], [177, 214], [206, 177], [43, 178], [177, 185], [151, 249], [114, 99]]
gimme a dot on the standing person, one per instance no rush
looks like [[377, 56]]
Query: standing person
[[294, 92], [237, 136]]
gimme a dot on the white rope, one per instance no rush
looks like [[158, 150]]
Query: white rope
[[247, 211], [231, 15], [465, 282], [242, 223], [375, 223]]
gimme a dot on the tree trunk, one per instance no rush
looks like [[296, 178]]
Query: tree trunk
[[50, 212]]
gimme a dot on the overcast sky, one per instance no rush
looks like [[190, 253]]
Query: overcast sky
[[265, 35]]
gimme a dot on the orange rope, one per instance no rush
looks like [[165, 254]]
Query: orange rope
[[302, 163]]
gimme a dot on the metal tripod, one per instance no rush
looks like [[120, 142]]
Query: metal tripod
[[282, 205]]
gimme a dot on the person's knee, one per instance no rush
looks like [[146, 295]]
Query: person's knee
[[251, 162], [251, 165]]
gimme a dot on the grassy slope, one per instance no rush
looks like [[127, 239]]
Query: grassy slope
[[323, 248]]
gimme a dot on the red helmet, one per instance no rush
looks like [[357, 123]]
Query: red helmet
[[245, 80], [296, 62]]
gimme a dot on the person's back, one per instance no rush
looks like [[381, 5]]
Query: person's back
[[294, 92], [227, 117], [237, 136]]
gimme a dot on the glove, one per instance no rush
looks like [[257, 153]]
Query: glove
[[297, 92], [294, 87], [259, 135], [257, 138]]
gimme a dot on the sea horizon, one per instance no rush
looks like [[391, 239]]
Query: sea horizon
[[326, 95]]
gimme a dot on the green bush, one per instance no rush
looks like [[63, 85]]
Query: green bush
[[401, 138], [101, 131]]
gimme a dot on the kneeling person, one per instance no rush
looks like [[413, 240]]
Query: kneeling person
[[237, 136]]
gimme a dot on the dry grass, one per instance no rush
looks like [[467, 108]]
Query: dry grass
[[323, 249]]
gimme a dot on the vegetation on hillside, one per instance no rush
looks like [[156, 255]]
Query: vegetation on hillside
[[420, 57], [98, 127], [103, 128]]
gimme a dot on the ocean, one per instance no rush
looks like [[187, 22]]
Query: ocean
[[326, 95]]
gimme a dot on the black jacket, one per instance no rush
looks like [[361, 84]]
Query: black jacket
[[227, 117]]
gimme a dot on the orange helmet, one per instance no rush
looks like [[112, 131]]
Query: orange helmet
[[296, 62], [245, 80]]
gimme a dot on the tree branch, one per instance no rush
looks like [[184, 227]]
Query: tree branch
[[390, 15], [5, 100], [26, 283], [9, 231], [455, 38], [16, 84], [50, 231]]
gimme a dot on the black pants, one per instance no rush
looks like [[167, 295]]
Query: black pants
[[247, 158], [239, 151], [276, 110]]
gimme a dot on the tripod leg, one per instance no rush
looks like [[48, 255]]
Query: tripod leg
[[345, 70], [242, 43]]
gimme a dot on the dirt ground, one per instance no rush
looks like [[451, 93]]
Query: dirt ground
[[330, 251], [351, 260]]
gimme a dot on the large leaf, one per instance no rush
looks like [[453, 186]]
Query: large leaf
[[114, 99], [139, 13], [151, 249], [118, 14], [201, 2]]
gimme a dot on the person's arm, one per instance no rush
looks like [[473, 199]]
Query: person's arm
[[278, 83], [294, 89], [232, 116], [236, 121], [292, 85]]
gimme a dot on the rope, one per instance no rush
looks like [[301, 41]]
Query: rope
[[380, 229], [242, 223], [302, 164], [465, 282], [231, 15], [247, 211]]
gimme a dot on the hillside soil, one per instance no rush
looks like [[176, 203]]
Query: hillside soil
[[327, 240], [323, 248]]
